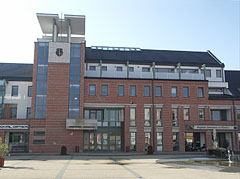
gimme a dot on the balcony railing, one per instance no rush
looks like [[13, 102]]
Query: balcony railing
[[81, 124]]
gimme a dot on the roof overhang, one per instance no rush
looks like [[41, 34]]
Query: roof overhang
[[77, 23]]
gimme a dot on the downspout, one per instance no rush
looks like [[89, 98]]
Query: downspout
[[153, 116]]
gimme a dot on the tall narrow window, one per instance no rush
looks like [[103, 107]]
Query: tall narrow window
[[174, 91], [92, 90], [159, 141], [29, 91], [174, 117], [200, 92], [28, 116], [132, 90], [175, 141], [147, 140], [120, 90], [132, 116], [219, 73], [185, 92], [13, 112], [14, 90], [147, 117], [186, 114], [146, 90], [159, 117], [104, 90], [158, 91], [201, 114]]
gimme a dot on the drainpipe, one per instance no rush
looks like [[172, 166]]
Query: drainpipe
[[127, 69], [179, 70], [234, 119], [153, 112], [100, 68]]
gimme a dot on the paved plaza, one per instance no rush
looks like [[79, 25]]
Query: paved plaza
[[112, 166]]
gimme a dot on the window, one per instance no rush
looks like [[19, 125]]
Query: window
[[200, 92], [159, 141], [28, 113], [145, 69], [29, 91], [146, 90], [158, 117], [186, 114], [158, 91], [132, 90], [92, 90], [174, 117], [119, 68], [147, 117], [104, 68], [39, 133], [38, 141], [132, 117], [189, 70], [207, 73], [174, 91], [185, 92], [13, 112], [221, 115], [175, 141], [104, 90], [92, 68], [131, 69], [164, 70], [133, 141], [238, 114], [147, 140], [201, 114], [218, 73], [14, 90], [120, 90]]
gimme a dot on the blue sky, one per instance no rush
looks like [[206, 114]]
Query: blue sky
[[151, 24]]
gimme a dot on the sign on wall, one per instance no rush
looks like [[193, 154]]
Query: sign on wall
[[18, 127], [211, 127]]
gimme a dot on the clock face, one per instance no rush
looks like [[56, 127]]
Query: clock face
[[59, 52]]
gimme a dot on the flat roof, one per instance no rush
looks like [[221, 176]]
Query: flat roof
[[77, 23]]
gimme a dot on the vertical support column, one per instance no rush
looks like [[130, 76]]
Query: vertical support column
[[204, 68], [179, 70], [127, 69], [100, 68], [209, 140], [126, 135], [54, 32], [68, 31], [153, 70], [181, 130]]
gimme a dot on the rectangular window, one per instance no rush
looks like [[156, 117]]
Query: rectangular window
[[14, 90], [29, 91], [158, 91], [221, 115], [146, 90], [174, 91], [92, 90], [159, 141], [159, 117], [28, 113], [201, 114], [39, 133], [164, 70], [185, 92], [132, 117], [92, 68], [174, 117], [13, 112], [38, 141], [175, 141], [131, 69], [104, 90], [238, 114], [200, 92], [120, 90], [132, 90], [218, 73], [104, 68], [186, 114], [147, 117], [119, 68], [145, 69], [133, 141], [207, 73], [147, 140]]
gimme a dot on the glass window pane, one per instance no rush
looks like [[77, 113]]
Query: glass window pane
[[132, 90], [174, 91], [158, 91], [92, 90], [120, 90], [185, 92], [186, 114], [200, 92], [104, 90], [146, 90], [14, 90]]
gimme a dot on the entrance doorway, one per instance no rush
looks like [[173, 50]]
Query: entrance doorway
[[194, 141], [17, 141]]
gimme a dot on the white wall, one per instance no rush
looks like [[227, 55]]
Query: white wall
[[22, 100]]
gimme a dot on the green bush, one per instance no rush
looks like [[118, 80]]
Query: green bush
[[3, 149]]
